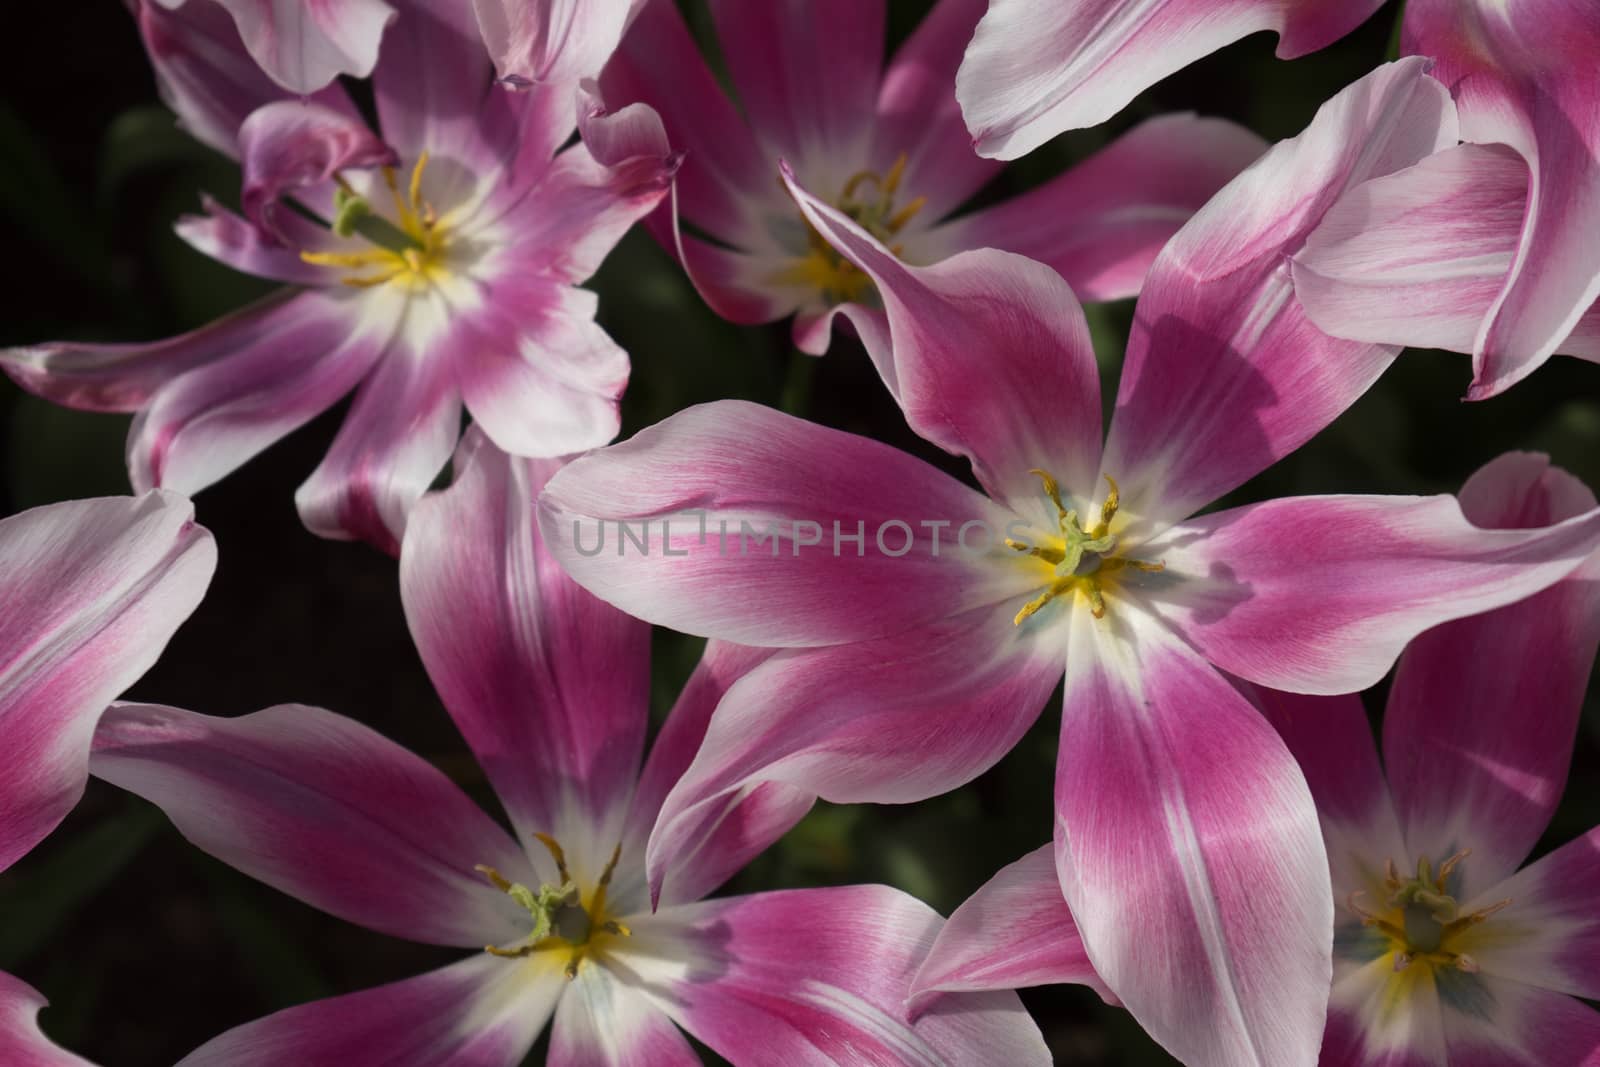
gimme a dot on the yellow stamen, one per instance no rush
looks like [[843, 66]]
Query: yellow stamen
[[903, 216], [560, 857], [374, 258], [416, 184]]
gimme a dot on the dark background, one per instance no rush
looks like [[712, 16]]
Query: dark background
[[147, 947]]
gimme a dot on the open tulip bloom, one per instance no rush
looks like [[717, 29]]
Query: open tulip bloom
[[1523, 73], [441, 269], [550, 686], [1187, 842], [886, 146], [1444, 955]]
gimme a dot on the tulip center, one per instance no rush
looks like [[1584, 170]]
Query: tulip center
[[408, 250], [870, 199], [567, 921], [1421, 921], [1077, 559]]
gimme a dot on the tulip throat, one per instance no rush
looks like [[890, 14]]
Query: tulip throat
[[1079, 560], [869, 199], [408, 250], [1423, 922], [568, 922]]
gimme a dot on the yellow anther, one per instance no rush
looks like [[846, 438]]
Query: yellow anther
[[496, 879], [612, 926], [1051, 490], [372, 280], [416, 183], [1033, 606], [511, 953], [414, 260], [1108, 510], [1049, 555], [891, 181], [560, 857], [1097, 600], [1447, 868], [373, 258], [1146, 566], [903, 216]]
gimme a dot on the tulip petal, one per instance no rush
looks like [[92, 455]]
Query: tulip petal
[[1321, 594], [887, 722], [601, 1022], [1523, 75], [398, 435], [244, 246], [1034, 72], [1189, 853], [1465, 773], [289, 145], [434, 86], [1031, 401], [550, 686], [551, 41], [1224, 374], [303, 46], [481, 1012], [818, 976], [93, 590], [763, 578], [1103, 222], [1014, 932], [326, 810], [1527, 1027], [21, 1041]]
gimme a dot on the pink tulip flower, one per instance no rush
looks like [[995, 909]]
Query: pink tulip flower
[[1186, 840], [885, 145], [305, 44], [448, 277], [550, 687]]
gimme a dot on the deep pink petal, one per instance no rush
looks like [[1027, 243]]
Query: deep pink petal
[[290, 145], [806, 72], [481, 1012], [820, 976], [757, 470], [1467, 770], [1189, 853], [1224, 374], [1320, 594], [1102, 223], [21, 1041], [1523, 74], [992, 358], [889, 721], [305, 44], [552, 41], [1549, 935], [244, 246], [398, 435], [536, 371], [550, 686], [601, 1022], [918, 116], [1014, 932], [93, 590], [204, 72], [1033, 72], [326, 810]]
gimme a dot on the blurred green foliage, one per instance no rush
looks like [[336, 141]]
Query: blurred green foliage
[[146, 947]]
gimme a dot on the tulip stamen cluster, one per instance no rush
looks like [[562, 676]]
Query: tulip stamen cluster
[[1079, 559], [869, 199], [1422, 920], [565, 918], [408, 249]]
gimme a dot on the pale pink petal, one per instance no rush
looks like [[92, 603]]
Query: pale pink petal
[[1523, 1026], [887, 722], [992, 358], [1549, 935], [1032, 72], [290, 145], [807, 73], [204, 72], [550, 686], [1417, 257], [93, 590], [326, 810], [1189, 853], [720, 521], [739, 286], [21, 1041], [1320, 594], [536, 371], [918, 115], [1224, 374], [305, 44], [1469, 771], [398, 435], [481, 1012], [270, 372], [1101, 223], [1584, 341], [816, 976], [434, 86], [1014, 932], [1365, 1029], [602, 1022], [545, 41], [1523, 74], [244, 246]]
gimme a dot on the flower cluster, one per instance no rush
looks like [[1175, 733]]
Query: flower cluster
[[432, 182]]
